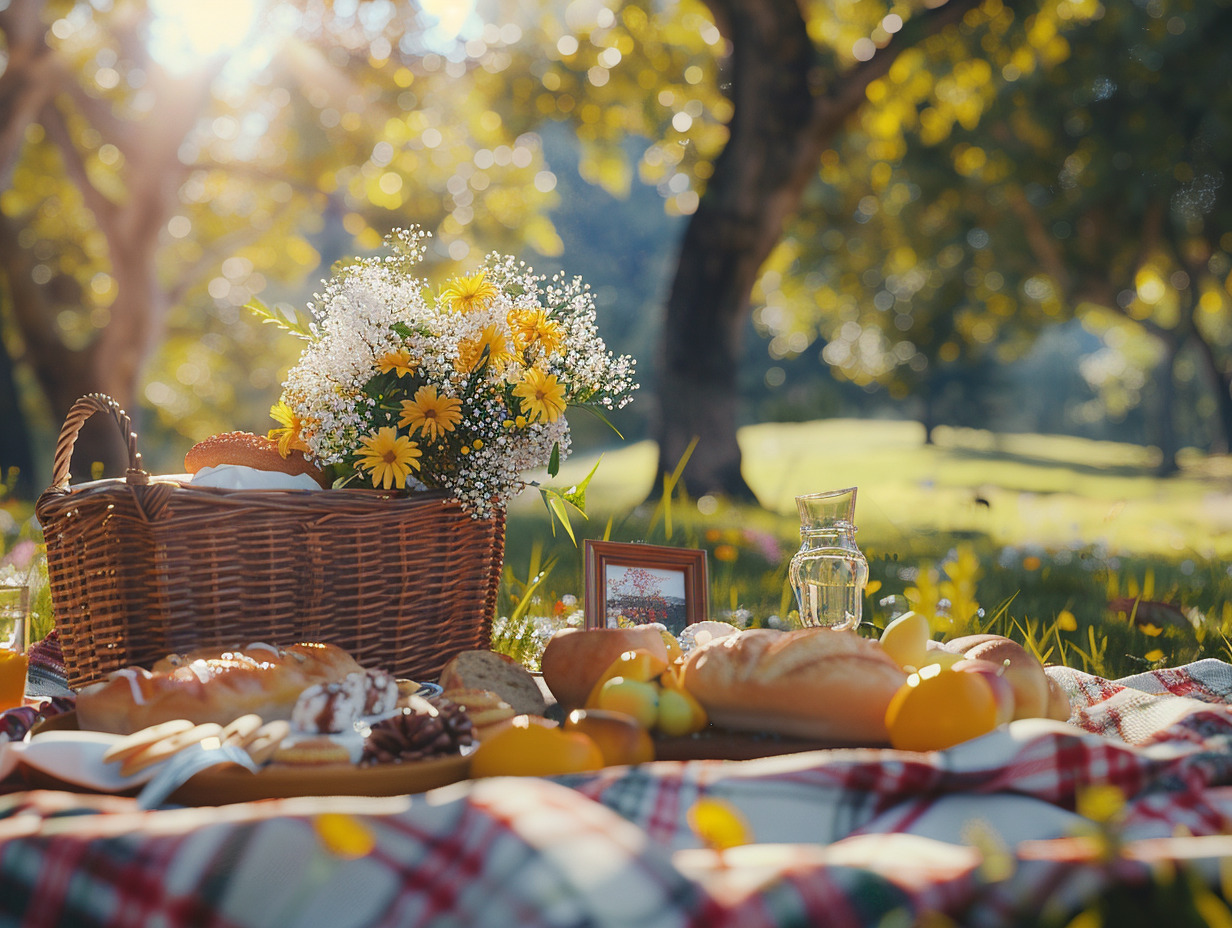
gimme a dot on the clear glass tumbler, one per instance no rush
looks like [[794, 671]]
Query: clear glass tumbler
[[14, 612], [829, 573]]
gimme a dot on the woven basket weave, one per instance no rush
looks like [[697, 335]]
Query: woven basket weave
[[141, 567]]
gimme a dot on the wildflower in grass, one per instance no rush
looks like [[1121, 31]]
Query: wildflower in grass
[[1066, 621], [289, 434], [542, 396], [466, 294], [430, 414], [1154, 655], [399, 361], [389, 457]]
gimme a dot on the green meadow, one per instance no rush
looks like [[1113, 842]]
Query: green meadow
[[1076, 547]]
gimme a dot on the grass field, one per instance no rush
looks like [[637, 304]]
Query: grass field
[[1040, 533], [1040, 490]]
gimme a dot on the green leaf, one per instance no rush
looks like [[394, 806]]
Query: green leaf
[[270, 317], [558, 508], [597, 412], [576, 494], [554, 461]]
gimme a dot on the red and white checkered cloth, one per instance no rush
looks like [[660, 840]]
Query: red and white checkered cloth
[[843, 838]]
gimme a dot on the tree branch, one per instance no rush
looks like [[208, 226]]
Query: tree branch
[[831, 109], [57, 130]]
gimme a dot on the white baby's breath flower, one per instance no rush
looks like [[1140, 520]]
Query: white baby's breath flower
[[473, 354]]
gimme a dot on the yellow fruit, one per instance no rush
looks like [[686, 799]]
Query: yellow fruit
[[620, 738], [906, 640], [674, 651], [638, 699], [535, 751], [637, 664], [940, 658], [936, 709], [679, 713]]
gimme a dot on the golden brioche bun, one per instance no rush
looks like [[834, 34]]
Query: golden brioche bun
[[811, 683], [249, 450]]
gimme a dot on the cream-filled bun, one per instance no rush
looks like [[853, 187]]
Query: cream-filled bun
[[244, 461], [814, 683]]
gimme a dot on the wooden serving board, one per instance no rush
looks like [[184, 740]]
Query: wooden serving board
[[227, 784], [722, 744]]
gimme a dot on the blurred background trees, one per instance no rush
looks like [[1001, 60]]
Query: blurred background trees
[[1001, 215]]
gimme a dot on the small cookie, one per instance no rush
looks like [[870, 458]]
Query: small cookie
[[267, 739], [138, 741], [483, 707], [312, 752], [240, 732], [172, 744]]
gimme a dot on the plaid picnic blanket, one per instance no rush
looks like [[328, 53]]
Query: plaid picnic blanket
[[982, 833]]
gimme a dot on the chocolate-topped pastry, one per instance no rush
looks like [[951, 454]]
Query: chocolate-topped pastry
[[380, 692], [330, 707], [427, 728]]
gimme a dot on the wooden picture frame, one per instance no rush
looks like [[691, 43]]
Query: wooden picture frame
[[656, 583]]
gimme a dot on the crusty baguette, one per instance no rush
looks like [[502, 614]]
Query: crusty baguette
[[813, 683], [499, 673], [217, 686]]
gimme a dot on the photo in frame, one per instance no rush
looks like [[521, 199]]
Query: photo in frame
[[637, 584]]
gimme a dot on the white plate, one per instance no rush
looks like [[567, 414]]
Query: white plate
[[77, 757]]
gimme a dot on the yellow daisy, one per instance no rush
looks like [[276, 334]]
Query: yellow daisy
[[430, 414], [543, 398], [533, 327], [466, 293], [389, 456], [471, 350], [290, 435], [400, 361]]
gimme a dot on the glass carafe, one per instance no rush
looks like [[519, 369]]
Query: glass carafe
[[828, 573]]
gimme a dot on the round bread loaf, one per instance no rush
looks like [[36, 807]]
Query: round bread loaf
[[248, 450], [574, 659], [814, 683]]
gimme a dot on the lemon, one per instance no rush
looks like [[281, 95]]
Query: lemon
[[938, 708], [906, 640]]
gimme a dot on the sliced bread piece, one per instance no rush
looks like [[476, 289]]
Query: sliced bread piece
[[489, 670]]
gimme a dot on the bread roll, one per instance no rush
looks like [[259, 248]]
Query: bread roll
[[575, 659], [814, 683], [1023, 671], [498, 673], [211, 687], [245, 449]]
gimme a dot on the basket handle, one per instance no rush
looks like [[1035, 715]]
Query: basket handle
[[82, 410]]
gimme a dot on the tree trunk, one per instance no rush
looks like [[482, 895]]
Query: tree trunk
[[1165, 429], [36, 84], [786, 108]]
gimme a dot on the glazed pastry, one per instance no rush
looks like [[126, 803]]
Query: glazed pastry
[[260, 679]]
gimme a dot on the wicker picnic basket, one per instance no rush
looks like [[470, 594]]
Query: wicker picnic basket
[[141, 567]]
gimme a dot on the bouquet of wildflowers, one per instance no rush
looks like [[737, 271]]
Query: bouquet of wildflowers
[[462, 392]]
